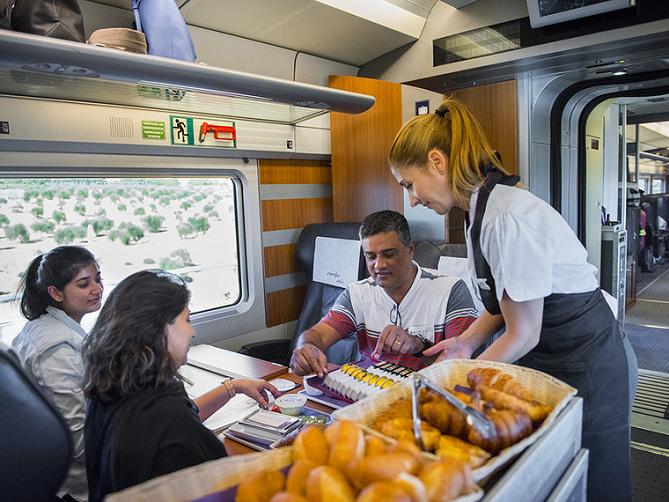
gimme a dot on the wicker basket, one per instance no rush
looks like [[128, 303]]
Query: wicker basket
[[216, 476], [544, 388]]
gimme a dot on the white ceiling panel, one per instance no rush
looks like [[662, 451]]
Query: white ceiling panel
[[301, 25]]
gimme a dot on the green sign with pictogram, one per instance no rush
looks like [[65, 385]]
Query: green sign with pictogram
[[153, 129]]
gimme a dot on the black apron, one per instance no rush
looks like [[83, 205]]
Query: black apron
[[580, 344]]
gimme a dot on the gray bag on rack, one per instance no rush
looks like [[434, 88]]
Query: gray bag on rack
[[50, 18]]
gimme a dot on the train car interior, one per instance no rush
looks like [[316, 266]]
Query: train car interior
[[243, 170]]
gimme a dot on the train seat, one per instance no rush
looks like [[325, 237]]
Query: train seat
[[35, 440], [318, 299]]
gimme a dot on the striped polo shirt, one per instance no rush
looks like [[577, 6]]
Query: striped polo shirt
[[436, 307]]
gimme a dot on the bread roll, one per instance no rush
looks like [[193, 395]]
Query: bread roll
[[413, 486], [260, 487], [348, 443], [326, 484], [374, 446], [311, 445], [296, 481], [446, 480], [383, 491], [381, 468], [287, 497]]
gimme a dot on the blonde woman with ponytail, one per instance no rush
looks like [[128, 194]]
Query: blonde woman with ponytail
[[533, 279]]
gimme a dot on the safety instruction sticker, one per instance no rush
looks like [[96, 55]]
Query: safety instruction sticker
[[202, 132], [221, 133], [4, 126], [181, 130], [153, 129]]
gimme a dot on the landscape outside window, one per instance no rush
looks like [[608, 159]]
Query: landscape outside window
[[184, 225]]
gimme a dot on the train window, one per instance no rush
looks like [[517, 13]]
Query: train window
[[187, 225]]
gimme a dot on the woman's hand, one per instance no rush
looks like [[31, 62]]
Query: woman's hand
[[451, 348], [255, 389]]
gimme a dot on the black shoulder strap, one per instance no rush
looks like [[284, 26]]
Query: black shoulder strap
[[488, 296]]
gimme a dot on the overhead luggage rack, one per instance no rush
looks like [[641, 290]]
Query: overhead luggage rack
[[41, 67]]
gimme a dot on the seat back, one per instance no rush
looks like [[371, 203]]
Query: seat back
[[320, 297], [428, 253], [35, 440]]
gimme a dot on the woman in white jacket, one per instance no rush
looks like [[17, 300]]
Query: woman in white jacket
[[56, 291]]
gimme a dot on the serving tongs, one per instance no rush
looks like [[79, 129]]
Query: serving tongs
[[473, 416]]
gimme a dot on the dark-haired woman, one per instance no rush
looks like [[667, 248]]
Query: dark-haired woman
[[534, 279], [56, 291], [140, 422]]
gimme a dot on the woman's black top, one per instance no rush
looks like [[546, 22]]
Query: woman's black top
[[152, 433]]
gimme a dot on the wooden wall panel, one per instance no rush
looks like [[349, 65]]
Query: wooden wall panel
[[295, 171], [361, 179], [284, 306], [280, 260], [295, 213], [282, 214], [495, 107]]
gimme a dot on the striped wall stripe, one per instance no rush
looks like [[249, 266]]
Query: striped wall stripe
[[285, 281], [295, 191], [280, 237]]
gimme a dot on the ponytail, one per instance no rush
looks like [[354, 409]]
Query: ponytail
[[34, 300], [454, 131], [55, 268]]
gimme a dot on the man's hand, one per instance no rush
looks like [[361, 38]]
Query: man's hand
[[451, 348], [255, 389], [394, 340], [309, 359]]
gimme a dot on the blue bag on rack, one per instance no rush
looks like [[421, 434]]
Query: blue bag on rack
[[165, 29]]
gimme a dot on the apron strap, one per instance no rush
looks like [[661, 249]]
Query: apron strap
[[493, 177]]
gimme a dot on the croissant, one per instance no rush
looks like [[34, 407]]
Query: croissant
[[452, 447], [446, 480], [498, 380], [510, 427], [503, 401], [445, 417], [402, 428]]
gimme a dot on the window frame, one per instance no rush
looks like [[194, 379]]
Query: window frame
[[248, 313]]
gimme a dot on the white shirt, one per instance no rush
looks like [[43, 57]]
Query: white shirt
[[531, 250], [50, 350], [436, 307]]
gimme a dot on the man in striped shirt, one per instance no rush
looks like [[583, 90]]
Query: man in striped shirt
[[396, 313]]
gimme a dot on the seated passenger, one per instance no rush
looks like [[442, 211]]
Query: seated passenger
[[397, 313], [56, 291], [140, 422]]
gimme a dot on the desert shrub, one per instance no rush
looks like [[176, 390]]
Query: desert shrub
[[37, 211], [58, 216], [3, 220], [177, 259], [44, 227], [17, 232], [140, 211], [153, 223], [80, 209]]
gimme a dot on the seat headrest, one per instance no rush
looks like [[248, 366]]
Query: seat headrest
[[428, 253], [304, 250]]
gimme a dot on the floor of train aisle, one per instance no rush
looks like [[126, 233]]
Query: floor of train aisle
[[647, 326]]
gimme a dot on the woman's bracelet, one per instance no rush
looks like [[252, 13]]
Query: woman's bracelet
[[229, 387]]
